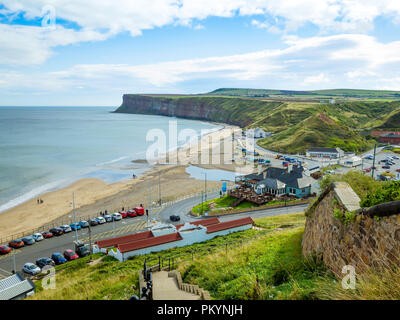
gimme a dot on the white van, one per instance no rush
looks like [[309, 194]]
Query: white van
[[116, 216]]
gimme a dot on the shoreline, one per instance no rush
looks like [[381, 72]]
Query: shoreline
[[95, 194]]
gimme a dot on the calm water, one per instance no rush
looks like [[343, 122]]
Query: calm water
[[45, 148]]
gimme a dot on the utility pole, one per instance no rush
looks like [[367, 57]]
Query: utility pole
[[159, 186], [202, 209], [90, 242], [14, 264], [205, 186], [73, 206], [149, 206], [373, 162]]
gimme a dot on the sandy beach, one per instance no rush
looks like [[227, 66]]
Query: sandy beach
[[94, 195]]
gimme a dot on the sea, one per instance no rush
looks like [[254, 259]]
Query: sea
[[46, 148]]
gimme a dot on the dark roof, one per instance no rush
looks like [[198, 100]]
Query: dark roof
[[204, 222], [15, 286], [150, 242], [112, 242], [293, 179], [320, 149], [229, 224]]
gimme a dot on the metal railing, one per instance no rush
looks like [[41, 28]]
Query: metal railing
[[63, 220]]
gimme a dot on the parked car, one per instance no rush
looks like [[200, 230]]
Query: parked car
[[28, 241], [5, 249], [84, 224], [175, 217], [58, 258], [367, 170], [57, 231], [17, 243], [131, 213], [66, 228], [93, 222], [385, 167], [139, 211], [369, 157], [101, 220], [31, 268], [108, 218], [398, 170], [70, 255], [37, 236], [395, 157], [47, 234], [116, 216], [123, 214], [42, 262], [81, 249], [75, 226]]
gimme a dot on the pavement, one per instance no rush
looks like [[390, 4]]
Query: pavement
[[166, 288]]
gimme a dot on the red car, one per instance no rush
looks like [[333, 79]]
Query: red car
[[47, 234], [367, 170], [139, 211], [70, 255], [124, 214], [398, 170], [131, 213], [5, 249], [17, 243]]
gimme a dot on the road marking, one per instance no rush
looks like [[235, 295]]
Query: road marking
[[8, 273], [15, 251]]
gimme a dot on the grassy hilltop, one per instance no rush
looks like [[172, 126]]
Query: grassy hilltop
[[298, 119]]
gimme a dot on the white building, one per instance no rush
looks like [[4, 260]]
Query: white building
[[166, 236], [352, 162], [257, 133], [331, 153]]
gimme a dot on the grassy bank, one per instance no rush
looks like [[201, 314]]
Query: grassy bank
[[269, 268]]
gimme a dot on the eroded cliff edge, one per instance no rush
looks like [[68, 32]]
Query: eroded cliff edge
[[235, 111]]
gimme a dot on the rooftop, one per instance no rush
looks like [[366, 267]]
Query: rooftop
[[328, 150], [229, 224], [150, 242], [14, 286]]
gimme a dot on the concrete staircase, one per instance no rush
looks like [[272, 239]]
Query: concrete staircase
[[169, 286]]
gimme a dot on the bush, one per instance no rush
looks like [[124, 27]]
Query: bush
[[390, 191]]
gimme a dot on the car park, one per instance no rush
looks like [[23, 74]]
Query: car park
[[66, 228], [37, 237], [175, 217], [108, 218], [17, 243], [58, 258], [28, 241], [84, 224], [101, 220], [116, 216], [75, 226], [42, 262], [57, 231], [5, 249], [31, 268], [47, 234], [70, 255]]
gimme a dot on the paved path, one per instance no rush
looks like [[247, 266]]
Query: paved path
[[166, 288]]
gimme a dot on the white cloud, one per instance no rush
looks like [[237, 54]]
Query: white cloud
[[311, 63]]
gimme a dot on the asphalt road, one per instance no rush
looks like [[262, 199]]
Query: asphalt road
[[47, 247]]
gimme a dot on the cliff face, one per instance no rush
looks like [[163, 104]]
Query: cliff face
[[219, 109]]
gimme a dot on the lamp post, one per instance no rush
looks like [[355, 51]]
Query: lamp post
[[73, 208]]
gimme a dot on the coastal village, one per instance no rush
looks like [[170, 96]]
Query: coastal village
[[164, 223]]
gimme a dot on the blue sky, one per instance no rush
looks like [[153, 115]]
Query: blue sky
[[59, 52]]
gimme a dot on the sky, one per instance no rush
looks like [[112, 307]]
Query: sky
[[89, 53]]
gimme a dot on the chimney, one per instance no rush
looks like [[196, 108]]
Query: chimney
[[259, 169]]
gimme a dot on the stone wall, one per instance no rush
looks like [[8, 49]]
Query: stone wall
[[365, 240]]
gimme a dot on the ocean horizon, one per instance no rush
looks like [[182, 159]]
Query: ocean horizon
[[47, 148]]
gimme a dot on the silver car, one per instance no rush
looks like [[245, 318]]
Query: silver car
[[101, 220], [31, 268], [108, 218], [116, 216], [37, 237], [67, 228]]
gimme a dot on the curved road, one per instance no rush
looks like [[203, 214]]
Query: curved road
[[46, 247]]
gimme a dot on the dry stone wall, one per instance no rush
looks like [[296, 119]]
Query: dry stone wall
[[363, 241]]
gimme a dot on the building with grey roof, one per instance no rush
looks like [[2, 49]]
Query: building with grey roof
[[320, 152], [16, 287]]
